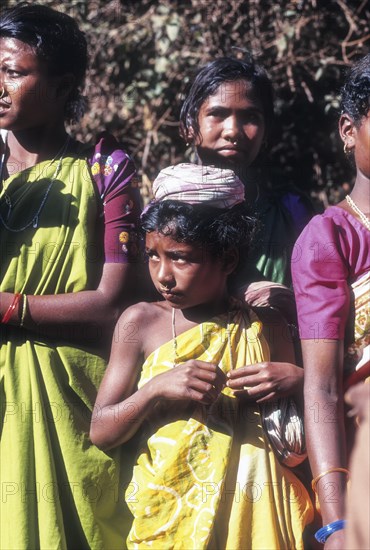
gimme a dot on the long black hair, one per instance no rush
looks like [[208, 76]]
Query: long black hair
[[210, 77], [56, 40]]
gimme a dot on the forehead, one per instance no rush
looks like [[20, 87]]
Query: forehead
[[12, 49], [167, 244], [235, 92], [156, 239]]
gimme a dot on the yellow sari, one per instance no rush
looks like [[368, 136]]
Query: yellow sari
[[206, 476]]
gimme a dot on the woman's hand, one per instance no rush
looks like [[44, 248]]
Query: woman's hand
[[265, 381], [195, 380]]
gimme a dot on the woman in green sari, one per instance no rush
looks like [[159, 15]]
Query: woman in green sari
[[227, 118], [67, 221]]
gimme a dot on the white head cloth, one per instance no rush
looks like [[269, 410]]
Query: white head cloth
[[193, 183]]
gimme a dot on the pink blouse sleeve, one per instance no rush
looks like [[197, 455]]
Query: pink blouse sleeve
[[114, 174], [320, 272]]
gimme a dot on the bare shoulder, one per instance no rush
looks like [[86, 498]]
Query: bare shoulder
[[139, 316], [142, 324], [144, 312]]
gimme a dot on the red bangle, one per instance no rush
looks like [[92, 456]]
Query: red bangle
[[11, 308]]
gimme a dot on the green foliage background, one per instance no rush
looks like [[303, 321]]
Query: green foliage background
[[144, 53]]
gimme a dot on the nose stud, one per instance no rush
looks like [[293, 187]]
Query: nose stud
[[232, 140], [2, 92]]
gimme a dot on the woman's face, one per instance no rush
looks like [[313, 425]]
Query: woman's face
[[30, 98], [231, 126], [362, 147]]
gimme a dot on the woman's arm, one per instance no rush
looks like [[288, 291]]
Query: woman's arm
[[90, 315], [85, 315], [326, 250], [324, 427]]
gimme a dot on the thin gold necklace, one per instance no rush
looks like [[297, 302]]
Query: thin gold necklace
[[34, 220], [174, 338], [365, 220]]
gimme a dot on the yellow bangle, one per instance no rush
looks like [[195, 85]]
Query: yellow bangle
[[24, 310], [331, 470]]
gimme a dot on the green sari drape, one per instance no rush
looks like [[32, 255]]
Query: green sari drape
[[58, 491]]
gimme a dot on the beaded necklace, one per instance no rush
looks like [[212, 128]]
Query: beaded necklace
[[34, 220], [365, 220]]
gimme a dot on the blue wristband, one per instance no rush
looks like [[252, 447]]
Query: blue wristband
[[324, 533]]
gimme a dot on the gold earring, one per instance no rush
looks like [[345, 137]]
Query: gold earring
[[2, 92]]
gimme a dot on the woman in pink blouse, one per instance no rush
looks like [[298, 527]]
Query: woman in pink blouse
[[332, 282]]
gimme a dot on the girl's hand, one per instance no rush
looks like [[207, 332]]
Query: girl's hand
[[195, 380], [265, 381]]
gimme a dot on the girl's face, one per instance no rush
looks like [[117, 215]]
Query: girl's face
[[185, 274], [31, 97], [232, 126]]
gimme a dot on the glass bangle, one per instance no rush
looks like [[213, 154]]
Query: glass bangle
[[324, 533], [11, 308]]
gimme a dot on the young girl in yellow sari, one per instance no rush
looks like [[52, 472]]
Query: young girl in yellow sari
[[205, 475]]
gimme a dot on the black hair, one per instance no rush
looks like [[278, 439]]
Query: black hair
[[355, 93], [216, 230], [57, 40], [211, 76]]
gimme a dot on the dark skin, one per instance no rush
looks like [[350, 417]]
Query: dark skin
[[120, 407], [32, 111], [357, 532], [323, 363], [232, 130]]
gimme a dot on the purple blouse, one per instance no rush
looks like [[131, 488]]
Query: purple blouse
[[332, 252], [114, 175]]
